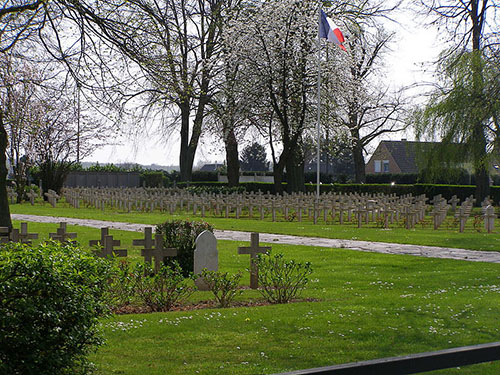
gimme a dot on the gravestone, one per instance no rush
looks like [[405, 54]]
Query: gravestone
[[32, 196], [253, 250], [52, 197], [158, 253], [108, 248], [489, 218], [100, 242], [62, 235], [22, 235], [205, 256]]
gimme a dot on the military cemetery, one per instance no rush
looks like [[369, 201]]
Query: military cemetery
[[249, 187]]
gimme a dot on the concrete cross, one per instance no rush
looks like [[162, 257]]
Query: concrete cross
[[61, 235], [52, 197], [147, 242], [158, 252], [23, 236], [32, 196], [108, 249], [100, 242], [253, 250]]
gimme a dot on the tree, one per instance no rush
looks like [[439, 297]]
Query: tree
[[274, 43], [175, 44], [254, 158], [18, 82], [464, 100], [461, 109], [18, 21], [365, 105]]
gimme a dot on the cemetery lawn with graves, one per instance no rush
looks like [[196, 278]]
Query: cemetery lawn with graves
[[356, 306], [473, 238]]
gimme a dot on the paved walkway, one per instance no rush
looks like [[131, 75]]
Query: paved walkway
[[377, 247]]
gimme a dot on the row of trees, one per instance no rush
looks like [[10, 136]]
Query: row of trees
[[238, 67]]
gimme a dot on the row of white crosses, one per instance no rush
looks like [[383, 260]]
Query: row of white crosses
[[330, 206]]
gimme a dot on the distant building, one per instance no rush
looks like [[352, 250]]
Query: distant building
[[211, 167], [396, 157]]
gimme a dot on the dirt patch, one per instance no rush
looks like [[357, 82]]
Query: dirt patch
[[130, 309]]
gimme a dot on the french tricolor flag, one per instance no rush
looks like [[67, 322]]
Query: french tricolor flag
[[330, 31]]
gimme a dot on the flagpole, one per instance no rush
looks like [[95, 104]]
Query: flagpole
[[319, 105]]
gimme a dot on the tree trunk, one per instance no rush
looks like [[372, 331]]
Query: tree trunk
[[186, 168], [5, 220], [359, 163], [278, 177], [480, 166], [295, 170], [232, 158]]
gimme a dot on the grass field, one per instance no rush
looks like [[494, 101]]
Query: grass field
[[368, 306], [424, 234], [365, 305]]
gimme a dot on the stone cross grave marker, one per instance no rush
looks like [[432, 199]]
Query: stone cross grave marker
[[11, 193], [32, 196], [454, 201], [100, 242], [158, 252], [108, 248], [22, 235], [489, 218], [52, 197], [253, 250], [61, 235], [147, 243], [205, 256]]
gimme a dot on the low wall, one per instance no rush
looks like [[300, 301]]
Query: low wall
[[103, 179]]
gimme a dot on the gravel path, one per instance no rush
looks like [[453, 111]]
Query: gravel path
[[377, 247]]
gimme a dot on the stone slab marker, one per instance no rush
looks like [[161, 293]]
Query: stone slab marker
[[253, 250], [205, 256]]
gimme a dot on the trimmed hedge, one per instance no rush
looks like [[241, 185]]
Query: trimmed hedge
[[430, 190]]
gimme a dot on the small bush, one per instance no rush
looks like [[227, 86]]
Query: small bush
[[51, 298], [182, 235], [222, 285], [280, 281], [121, 284], [162, 290]]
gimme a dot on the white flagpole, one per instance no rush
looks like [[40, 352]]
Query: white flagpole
[[319, 105]]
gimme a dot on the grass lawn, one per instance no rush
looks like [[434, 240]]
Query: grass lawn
[[366, 306], [424, 234], [369, 306]]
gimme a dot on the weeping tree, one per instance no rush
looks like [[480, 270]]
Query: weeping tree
[[464, 108], [464, 115]]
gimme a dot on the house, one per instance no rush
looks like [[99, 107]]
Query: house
[[393, 157], [211, 167]]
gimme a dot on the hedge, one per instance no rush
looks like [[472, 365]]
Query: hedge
[[430, 190]]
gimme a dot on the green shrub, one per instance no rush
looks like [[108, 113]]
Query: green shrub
[[121, 284], [154, 179], [222, 285], [51, 298], [182, 235], [162, 290], [280, 281]]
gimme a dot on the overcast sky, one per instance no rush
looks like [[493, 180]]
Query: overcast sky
[[409, 62]]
